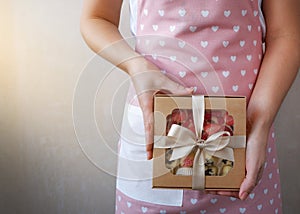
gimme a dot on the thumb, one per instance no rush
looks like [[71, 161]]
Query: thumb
[[146, 103], [249, 183], [246, 188]]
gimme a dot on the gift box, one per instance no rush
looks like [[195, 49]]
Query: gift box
[[200, 142]]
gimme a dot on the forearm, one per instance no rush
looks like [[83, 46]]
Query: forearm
[[278, 71], [105, 39], [99, 27]]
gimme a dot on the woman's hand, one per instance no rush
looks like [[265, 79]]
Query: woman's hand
[[149, 80], [257, 138], [255, 157]]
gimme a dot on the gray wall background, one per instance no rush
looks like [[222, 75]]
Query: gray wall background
[[42, 166]]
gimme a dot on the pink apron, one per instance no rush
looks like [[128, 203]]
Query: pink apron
[[216, 47]]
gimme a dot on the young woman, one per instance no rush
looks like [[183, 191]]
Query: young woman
[[213, 47]]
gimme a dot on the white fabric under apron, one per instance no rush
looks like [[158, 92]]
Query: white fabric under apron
[[134, 170]]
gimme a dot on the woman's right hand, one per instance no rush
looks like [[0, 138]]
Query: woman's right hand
[[149, 80]]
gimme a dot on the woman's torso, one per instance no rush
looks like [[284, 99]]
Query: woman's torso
[[216, 46]]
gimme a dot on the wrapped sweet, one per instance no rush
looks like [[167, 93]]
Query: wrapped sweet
[[186, 165], [211, 170], [173, 165], [225, 169], [211, 160]]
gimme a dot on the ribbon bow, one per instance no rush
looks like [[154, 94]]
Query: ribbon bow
[[183, 141]]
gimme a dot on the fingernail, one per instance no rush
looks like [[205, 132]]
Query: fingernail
[[149, 156], [190, 89], [244, 196]]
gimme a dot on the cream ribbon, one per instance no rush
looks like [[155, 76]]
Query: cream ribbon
[[183, 141]]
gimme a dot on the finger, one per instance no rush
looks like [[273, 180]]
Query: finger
[[223, 193], [211, 192], [249, 182], [255, 155], [228, 193], [146, 103], [176, 88], [246, 188], [148, 123]]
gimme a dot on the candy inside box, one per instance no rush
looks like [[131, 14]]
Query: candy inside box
[[220, 114]]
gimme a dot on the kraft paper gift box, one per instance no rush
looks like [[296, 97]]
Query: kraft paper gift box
[[200, 142]]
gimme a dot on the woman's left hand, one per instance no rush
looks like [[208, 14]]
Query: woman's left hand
[[257, 138], [255, 159]]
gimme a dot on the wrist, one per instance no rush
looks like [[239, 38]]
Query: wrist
[[259, 119], [137, 64]]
